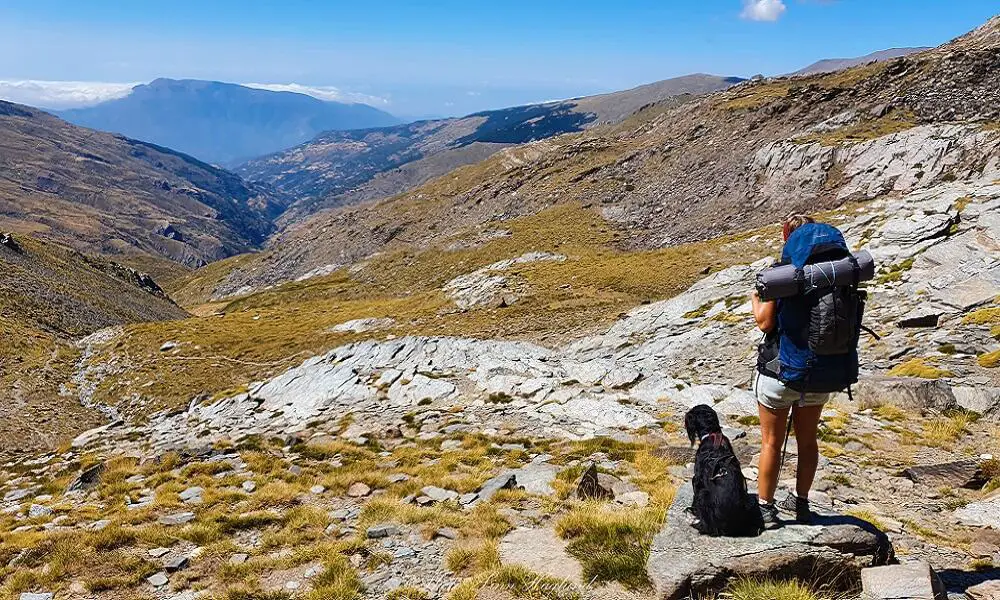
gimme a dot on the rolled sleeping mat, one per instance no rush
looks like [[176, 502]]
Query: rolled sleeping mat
[[782, 282]]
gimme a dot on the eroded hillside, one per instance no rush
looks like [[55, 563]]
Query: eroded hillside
[[341, 167], [111, 195]]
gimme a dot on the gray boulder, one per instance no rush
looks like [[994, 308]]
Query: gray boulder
[[683, 563], [912, 581], [982, 400], [987, 590], [908, 393], [985, 513]]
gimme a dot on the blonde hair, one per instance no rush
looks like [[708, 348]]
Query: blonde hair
[[793, 222]]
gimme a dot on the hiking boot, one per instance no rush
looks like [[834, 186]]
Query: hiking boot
[[769, 515], [798, 507]]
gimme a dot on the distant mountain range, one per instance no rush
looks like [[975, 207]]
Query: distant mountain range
[[829, 65], [222, 123], [346, 167]]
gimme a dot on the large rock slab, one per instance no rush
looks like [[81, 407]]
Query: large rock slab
[[541, 551], [683, 563]]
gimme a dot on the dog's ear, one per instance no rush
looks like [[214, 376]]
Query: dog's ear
[[690, 426]]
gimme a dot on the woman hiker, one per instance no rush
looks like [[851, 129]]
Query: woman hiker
[[790, 371]]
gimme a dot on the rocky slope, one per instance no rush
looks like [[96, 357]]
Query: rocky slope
[[341, 167], [666, 175], [446, 467], [107, 194], [50, 296], [222, 123]]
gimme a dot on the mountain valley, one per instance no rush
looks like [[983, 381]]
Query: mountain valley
[[451, 359]]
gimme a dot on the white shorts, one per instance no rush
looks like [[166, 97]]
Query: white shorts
[[773, 394]]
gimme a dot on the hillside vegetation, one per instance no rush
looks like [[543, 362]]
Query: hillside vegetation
[[49, 296]]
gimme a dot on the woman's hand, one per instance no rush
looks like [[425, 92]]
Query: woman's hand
[[764, 313]]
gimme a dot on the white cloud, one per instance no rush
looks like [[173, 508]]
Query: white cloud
[[61, 94], [323, 92], [58, 95], [763, 10]]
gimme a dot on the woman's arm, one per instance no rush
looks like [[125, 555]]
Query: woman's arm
[[765, 313]]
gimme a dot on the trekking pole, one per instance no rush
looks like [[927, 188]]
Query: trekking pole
[[788, 433]]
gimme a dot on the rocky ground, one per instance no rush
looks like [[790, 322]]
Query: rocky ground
[[424, 467]]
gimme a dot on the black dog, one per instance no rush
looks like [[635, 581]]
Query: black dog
[[722, 506]]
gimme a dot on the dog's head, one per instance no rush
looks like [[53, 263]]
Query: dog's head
[[701, 421]]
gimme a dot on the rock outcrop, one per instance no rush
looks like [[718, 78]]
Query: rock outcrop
[[683, 563]]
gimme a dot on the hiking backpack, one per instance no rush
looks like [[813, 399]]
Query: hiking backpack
[[815, 346]]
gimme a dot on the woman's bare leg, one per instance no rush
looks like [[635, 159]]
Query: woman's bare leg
[[806, 420], [772, 434]]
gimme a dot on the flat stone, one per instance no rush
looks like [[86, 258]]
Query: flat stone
[[682, 562], [158, 579], [537, 479], [238, 558], [383, 530], [637, 498], [101, 524], [37, 510], [192, 495], [404, 552], [176, 518], [15, 495], [911, 581], [36, 596], [358, 490], [540, 551], [467, 499], [248, 486], [158, 552], [317, 489], [439, 494], [447, 533]]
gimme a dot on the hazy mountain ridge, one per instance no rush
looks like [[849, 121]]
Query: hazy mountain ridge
[[222, 123], [336, 167], [107, 194], [829, 65]]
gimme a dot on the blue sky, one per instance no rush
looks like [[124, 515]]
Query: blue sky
[[447, 57]]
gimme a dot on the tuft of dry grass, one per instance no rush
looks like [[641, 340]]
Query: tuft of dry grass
[[919, 367], [989, 360], [612, 545], [946, 430], [761, 589], [519, 583]]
